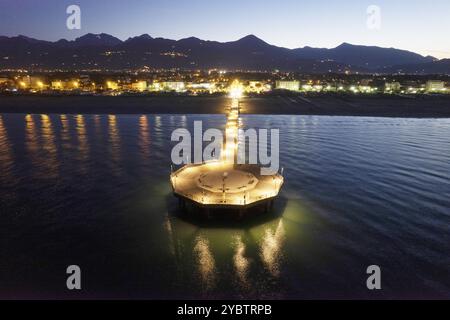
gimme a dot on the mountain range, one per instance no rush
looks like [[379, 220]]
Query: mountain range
[[103, 51]]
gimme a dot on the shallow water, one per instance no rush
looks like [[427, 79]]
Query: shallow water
[[93, 190]]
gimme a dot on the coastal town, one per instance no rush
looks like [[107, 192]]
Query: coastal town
[[212, 82], [224, 158]]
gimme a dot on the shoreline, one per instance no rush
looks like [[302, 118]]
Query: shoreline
[[319, 105]]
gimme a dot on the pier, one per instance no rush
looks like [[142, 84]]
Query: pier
[[224, 185]]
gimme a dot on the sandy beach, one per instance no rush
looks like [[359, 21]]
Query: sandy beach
[[338, 105]]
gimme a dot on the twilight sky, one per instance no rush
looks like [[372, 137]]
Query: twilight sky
[[417, 25]]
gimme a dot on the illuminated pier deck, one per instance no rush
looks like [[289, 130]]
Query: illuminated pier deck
[[224, 184], [220, 184]]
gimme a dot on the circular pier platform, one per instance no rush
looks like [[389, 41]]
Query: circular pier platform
[[222, 185]]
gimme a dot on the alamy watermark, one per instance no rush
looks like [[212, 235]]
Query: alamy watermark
[[73, 282], [374, 280], [373, 17], [249, 146], [73, 21]]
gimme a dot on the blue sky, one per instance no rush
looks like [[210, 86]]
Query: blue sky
[[417, 25]]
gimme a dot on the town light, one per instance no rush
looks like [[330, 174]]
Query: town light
[[236, 93], [236, 90]]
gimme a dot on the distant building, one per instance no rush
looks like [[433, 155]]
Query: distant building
[[74, 84], [413, 87], [257, 87], [65, 85], [6, 83], [155, 86], [435, 86], [124, 80], [31, 82], [57, 85], [366, 82], [365, 89], [310, 86], [177, 86], [287, 85], [112, 85], [329, 87], [85, 81], [202, 87], [392, 86], [318, 87], [139, 86]]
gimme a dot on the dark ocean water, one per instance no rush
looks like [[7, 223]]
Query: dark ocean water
[[94, 191]]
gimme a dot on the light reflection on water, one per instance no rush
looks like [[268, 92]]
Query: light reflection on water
[[51, 165], [144, 137], [65, 131], [6, 155], [272, 248], [31, 137], [114, 142], [205, 263], [358, 191], [231, 253], [241, 262], [83, 144]]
